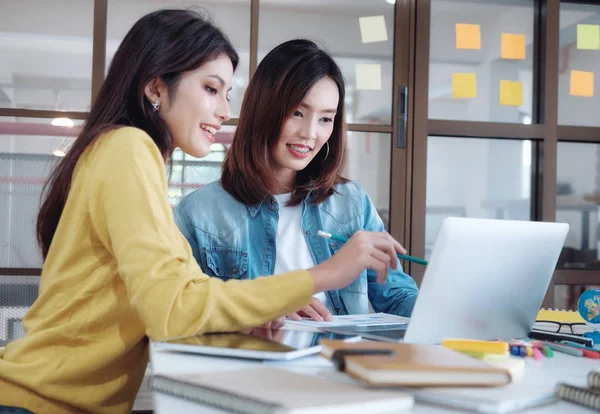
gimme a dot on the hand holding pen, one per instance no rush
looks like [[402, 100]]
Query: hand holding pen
[[364, 250], [401, 255]]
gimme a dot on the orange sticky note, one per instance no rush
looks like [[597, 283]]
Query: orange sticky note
[[464, 85], [513, 46], [468, 36], [582, 83], [511, 93]]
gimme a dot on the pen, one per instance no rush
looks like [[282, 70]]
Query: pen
[[565, 349], [326, 235], [587, 352]]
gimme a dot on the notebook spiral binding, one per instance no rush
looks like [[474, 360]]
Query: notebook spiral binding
[[578, 395], [594, 380], [212, 397]]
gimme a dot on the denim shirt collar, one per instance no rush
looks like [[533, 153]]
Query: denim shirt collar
[[255, 208]]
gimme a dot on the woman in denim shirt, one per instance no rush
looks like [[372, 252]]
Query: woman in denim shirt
[[282, 182]]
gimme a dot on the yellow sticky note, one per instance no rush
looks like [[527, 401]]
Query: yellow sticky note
[[368, 76], [513, 46], [464, 85], [372, 29], [588, 36], [468, 36], [511, 93], [582, 83]]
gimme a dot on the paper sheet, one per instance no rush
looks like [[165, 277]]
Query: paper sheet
[[468, 36], [511, 93], [588, 37], [582, 84], [372, 29], [464, 85], [513, 46], [368, 76], [369, 319]]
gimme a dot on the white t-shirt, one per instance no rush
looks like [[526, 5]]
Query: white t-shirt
[[291, 248]]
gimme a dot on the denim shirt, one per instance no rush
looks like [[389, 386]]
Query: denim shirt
[[233, 241]]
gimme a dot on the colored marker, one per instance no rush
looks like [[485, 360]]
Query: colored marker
[[587, 352], [565, 349], [326, 235]]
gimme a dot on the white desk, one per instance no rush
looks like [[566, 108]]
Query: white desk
[[545, 373]]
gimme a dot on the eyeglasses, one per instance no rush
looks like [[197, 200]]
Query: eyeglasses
[[576, 328]]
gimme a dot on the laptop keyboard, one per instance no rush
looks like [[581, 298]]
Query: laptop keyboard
[[394, 335], [377, 328]]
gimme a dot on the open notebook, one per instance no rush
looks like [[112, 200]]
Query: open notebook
[[502, 400], [272, 390]]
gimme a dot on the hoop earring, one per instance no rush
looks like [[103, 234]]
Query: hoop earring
[[327, 153], [155, 105]]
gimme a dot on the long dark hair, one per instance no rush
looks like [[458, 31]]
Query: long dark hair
[[280, 83], [161, 44]]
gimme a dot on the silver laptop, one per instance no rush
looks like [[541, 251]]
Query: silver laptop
[[486, 279]]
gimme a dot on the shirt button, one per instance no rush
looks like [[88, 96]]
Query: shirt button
[[337, 310], [234, 271], [307, 231]]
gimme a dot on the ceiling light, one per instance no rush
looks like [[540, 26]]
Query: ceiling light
[[391, 1], [58, 153], [63, 122]]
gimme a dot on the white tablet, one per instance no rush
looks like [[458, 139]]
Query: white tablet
[[258, 343]]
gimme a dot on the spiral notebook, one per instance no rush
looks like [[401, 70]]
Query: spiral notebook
[[556, 315], [273, 390], [588, 397]]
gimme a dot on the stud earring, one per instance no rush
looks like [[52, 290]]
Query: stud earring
[[155, 105]]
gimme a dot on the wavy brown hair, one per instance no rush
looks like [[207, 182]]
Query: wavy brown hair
[[280, 83], [162, 44]]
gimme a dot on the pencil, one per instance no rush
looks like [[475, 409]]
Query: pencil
[[326, 235]]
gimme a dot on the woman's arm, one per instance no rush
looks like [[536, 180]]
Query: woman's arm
[[398, 294], [130, 212]]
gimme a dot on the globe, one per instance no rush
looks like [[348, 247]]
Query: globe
[[589, 306]]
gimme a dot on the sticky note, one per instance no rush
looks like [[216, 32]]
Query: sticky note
[[511, 93], [464, 85], [588, 36], [513, 46], [368, 76], [468, 36], [372, 29], [582, 83]]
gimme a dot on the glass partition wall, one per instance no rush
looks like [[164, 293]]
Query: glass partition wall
[[455, 108]]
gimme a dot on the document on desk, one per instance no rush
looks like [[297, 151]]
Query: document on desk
[[368, 319], [499, 400], [272, 390]]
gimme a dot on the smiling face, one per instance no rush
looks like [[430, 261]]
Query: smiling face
[[304, 132], [199, 105]]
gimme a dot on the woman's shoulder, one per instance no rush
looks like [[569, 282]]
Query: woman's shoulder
[[346, 203], [126, 138], [212, 204], [349, 189], [212, 193]]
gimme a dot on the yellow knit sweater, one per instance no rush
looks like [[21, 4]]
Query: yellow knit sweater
[[118, 271]]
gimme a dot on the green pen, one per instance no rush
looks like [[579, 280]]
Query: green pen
[[326, 235]]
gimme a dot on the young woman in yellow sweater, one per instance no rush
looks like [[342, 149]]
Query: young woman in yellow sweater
[[117, 270]]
